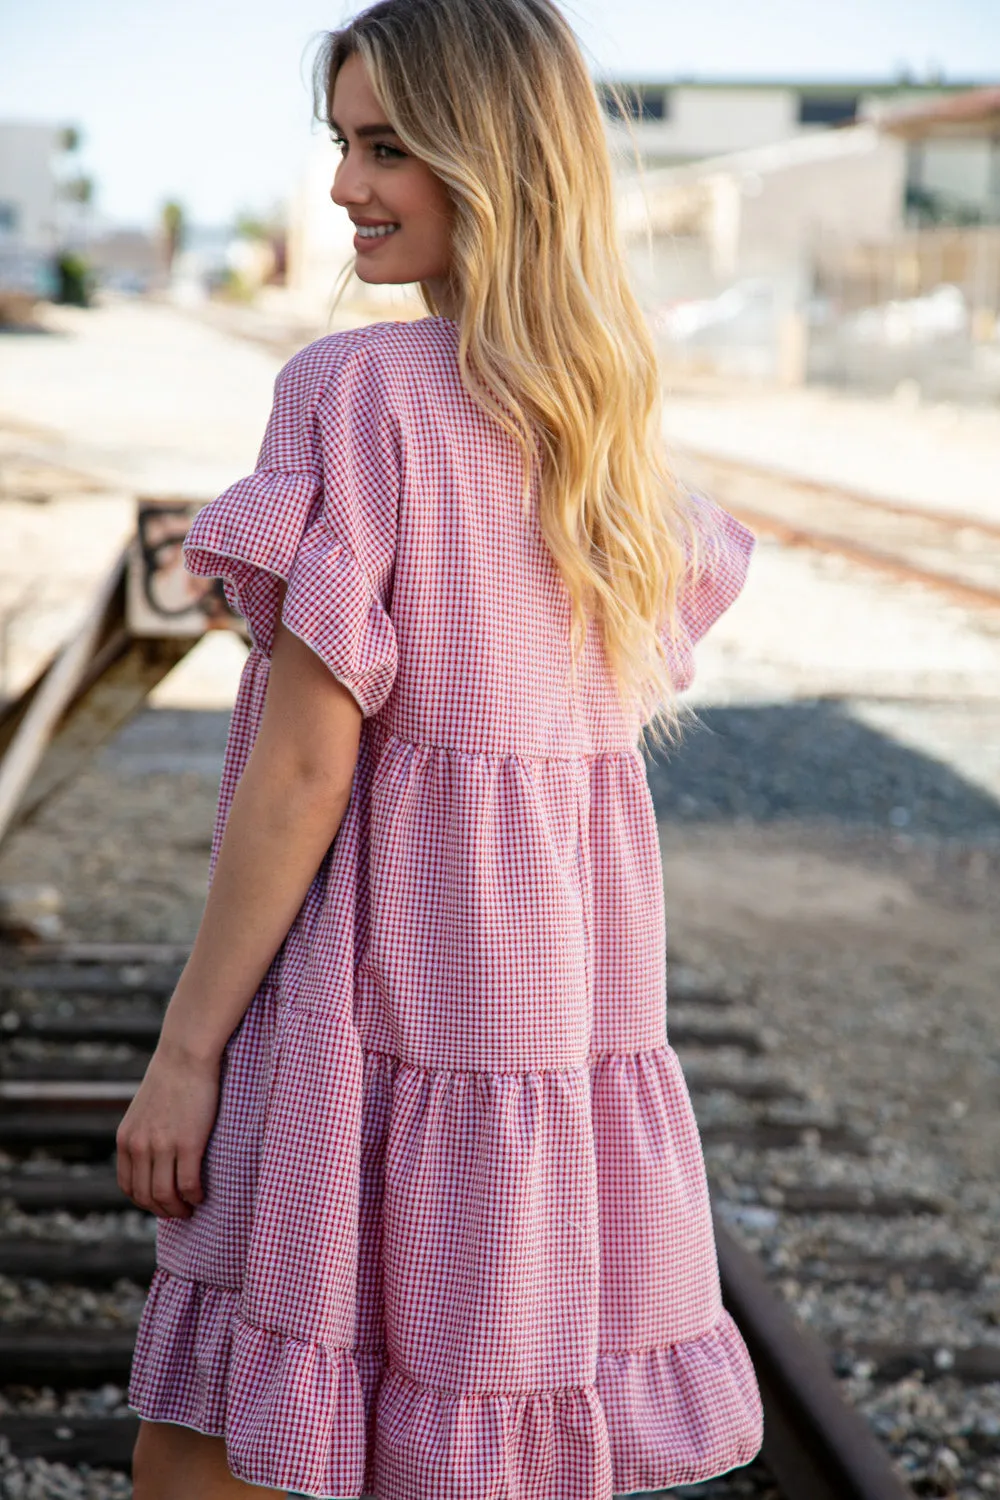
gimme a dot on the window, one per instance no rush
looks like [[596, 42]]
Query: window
[[641, 102], [824, 109]]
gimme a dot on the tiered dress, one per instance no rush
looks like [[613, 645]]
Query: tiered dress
[[456, 1240]]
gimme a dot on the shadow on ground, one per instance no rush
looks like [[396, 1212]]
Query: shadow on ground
[[762, 764]]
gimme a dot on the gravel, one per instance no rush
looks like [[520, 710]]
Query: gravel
[[35, 1479], [91, 1401], [87, 1229], [784, 762], [25, 1300]]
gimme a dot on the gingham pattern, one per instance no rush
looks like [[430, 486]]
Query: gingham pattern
[[456, 1241]]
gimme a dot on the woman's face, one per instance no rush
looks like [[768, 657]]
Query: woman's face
[[400, 208]]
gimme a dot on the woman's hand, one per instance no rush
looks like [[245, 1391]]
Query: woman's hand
[[161, 1139]]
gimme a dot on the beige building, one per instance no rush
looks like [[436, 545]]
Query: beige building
[[760, 212], [770, 210], [669, 123]]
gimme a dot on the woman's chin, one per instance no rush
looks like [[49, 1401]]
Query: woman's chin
[[377, 275]]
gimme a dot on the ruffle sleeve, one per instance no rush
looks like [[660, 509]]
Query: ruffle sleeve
[[318, 514], [714, 579]]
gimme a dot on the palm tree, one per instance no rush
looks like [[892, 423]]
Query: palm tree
[[173, 224]]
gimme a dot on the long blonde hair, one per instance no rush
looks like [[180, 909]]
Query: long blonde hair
[[495, 96]]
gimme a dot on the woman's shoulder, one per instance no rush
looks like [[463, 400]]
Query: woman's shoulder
[[374, 354]]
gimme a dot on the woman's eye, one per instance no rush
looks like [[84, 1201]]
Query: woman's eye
[[380, 149]]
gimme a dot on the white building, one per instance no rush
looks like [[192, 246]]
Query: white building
[[952, 157], [34, 215], [29, 202]]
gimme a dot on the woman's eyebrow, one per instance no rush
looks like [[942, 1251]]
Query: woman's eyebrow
[[365, 131]]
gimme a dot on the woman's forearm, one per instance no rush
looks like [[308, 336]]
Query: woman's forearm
[[277, 834]]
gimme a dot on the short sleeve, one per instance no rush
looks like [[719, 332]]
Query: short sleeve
[[725, 547], [319, 514]]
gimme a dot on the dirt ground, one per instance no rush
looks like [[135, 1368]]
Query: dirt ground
[[878, 962]]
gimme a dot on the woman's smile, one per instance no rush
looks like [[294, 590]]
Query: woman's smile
[[369, 235]]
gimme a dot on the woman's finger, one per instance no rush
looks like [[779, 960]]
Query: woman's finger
[[189, 1174], [163, 1187], [142, 1168]]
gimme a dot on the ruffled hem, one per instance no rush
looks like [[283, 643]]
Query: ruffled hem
[[726, 547], [326, 1421], [329, 603], [682, 1414]]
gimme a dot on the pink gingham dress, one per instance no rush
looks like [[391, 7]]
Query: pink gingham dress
[[456, 1240]]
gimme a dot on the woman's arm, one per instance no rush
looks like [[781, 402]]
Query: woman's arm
[[285, 813]]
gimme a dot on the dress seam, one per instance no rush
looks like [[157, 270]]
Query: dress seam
[[710, 1332], [200, 1281], [628, 752], [477, 1395], [508, 1072]]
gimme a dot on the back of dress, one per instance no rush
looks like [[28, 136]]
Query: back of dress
[[456, 1238]]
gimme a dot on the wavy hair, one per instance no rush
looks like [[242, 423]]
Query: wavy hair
[[495, 96]]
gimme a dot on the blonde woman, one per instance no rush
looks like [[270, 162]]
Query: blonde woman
[[433, 1214]]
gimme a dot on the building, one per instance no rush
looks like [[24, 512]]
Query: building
[[762, 211], [670, 122], [952, 157], [770, 210], [127, 260], [29, 185], [29, 205], [46, 209], [873, 247]]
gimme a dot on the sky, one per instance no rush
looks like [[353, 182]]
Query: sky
[[209, 101]]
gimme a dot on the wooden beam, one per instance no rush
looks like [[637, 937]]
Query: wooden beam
[[143, 619]]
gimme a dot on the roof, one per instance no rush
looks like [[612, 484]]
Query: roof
[[976, 112], [836, 87]]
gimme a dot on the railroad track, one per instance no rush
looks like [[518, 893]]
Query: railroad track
[[956, 555], [75, 1033]]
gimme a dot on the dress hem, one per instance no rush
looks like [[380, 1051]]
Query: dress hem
[[338, 1423]]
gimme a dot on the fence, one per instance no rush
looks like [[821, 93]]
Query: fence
[[923, 308]]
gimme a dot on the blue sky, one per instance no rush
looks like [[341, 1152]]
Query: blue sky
[[208, 100]]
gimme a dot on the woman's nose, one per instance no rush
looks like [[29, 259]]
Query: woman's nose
[[349, 187]]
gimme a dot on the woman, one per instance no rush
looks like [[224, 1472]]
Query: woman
[[433, 1214]]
